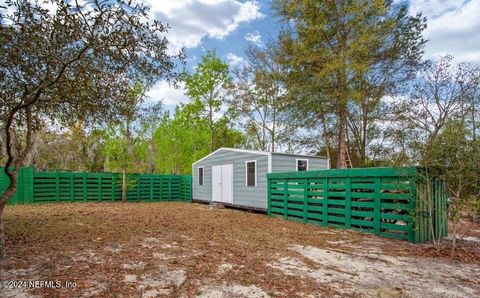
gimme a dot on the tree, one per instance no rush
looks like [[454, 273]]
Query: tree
[[75, 62], [256, 96], [442, 93], [184, 138], [120, 149], [452, 151], [438, 119], [75, 149], [339, 52], [207, 85]]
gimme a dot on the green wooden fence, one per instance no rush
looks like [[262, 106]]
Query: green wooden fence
[[391, 202], [52, 186]]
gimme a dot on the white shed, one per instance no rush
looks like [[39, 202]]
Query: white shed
[[238, 177]]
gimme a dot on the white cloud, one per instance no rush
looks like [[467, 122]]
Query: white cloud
[[234, 60], [453, 28], [162, 91], [254, 37], [192, 20]]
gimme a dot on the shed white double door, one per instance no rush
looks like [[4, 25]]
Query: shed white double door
[[222, 183]]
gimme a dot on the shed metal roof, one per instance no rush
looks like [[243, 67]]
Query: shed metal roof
[[257, 152]]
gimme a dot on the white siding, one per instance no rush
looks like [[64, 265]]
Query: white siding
[[247, 196], [288, 163], [243, 195]]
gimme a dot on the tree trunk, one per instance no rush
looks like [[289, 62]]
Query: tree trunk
[[2, 236], [210, 120], [13, 174], [274, 124], [454, 236], [9, 192], [342, 88], [341, 163], [363, 147], [326, 140], [124, 186]]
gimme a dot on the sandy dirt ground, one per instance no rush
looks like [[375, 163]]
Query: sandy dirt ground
[[191, 250]]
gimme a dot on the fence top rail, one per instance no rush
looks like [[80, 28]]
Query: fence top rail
[[346, 173], [101, 173]]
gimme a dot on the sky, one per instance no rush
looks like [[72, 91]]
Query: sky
[[230, 26], [227, 26]]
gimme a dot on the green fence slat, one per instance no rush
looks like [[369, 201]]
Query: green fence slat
[[325, 202], [376, 203], [84, 186], [57, 186], [99, 187], [383, 201], [285, 198], [112, 192], [269, 197], [305, 200], [348, 201]]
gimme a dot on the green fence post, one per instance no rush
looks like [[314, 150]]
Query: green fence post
[[160, 192], [57, 186], [325, 202], [305, 200], [444, 209], [71, 187], [112, 189], [99, 185], [285, 198], [348, 202], [190, 191], [29, 183], [84, 186], [376, 205], [170, 188], [269, 196], [151, 188], [19, 193], [138, 183], [413, 206]]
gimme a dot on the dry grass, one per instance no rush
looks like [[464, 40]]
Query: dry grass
[[179, 249]]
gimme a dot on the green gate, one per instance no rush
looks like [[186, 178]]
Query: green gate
[[52, 186], [398, 203]]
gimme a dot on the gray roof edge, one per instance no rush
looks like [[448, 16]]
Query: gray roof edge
[[299, 154]]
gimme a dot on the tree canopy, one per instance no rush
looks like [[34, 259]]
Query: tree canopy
[[341, 53], [75, 61]]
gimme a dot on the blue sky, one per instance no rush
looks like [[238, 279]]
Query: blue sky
[[230, 26]]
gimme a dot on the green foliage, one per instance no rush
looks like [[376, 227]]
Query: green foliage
[[342, 54], [256, 98], [206, 86], [185, 138], [74, 150], [454, 151]]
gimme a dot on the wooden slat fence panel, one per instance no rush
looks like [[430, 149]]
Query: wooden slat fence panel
[[52, 186], [383, 201]]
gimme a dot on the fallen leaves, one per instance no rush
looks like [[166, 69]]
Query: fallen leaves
[[174, 249]]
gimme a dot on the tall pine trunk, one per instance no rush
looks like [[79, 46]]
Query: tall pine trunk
[[326, 139], [342, 88], [342, 118]]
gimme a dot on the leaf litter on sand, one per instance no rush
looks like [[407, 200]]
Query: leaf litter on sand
[[161, 244]]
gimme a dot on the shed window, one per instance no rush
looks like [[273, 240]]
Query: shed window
[[302, 165], [200, 176], [251, 172]]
